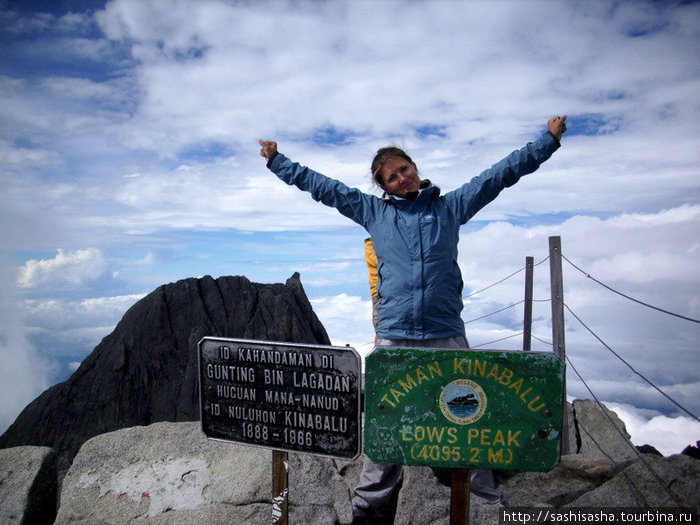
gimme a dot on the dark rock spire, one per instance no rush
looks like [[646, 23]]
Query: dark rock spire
[[146, 370]]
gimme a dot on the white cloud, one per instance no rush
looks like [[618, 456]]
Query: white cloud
[[24, 372], [646, 256], [80, 88], [254, 80], [141, 144], [347, 319], [18, 157], [73, 267], [84, 315], [24, 375], [669, 435]]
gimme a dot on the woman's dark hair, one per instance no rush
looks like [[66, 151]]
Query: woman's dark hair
[[383, 155]]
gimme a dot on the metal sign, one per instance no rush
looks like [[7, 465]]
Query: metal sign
[[294, 397], [466, 409]]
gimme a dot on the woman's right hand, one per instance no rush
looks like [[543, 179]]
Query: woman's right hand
[[268, 149]]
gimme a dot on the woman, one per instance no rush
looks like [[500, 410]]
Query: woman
[[415, 231]]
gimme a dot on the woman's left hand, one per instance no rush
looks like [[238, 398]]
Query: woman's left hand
[[557, 126]]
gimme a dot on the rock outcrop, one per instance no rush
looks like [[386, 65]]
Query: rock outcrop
[[130, 411], [27, 485], [609, 439], [146, 370], [169, 473]]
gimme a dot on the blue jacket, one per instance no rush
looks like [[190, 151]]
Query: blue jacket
[[420, 284]]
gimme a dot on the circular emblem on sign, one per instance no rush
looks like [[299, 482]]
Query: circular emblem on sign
[[463, 401]]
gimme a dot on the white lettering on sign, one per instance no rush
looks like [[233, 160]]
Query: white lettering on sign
[[273, 377], [319, 401], [236, 392], [261, 355], [317, 380], [231, 373], [315, 421], [302, 398], [252, 414], [280, 398]]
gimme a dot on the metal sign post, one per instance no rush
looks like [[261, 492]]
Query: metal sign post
[[459, 497], [280, 487]]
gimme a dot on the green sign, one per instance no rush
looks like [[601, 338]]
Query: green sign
[[463, 408]]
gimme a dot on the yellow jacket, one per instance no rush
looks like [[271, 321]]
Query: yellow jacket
[[371, 260]]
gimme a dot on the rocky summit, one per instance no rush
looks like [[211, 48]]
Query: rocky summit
[[118, 442], [171, 474], [146, 370]]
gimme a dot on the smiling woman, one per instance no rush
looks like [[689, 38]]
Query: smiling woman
[[414, 231]]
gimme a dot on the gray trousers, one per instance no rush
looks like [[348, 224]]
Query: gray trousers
[[378, 482]]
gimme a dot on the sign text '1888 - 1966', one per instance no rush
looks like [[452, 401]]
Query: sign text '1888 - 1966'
[[294, 397]]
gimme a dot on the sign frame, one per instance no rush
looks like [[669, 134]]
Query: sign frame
[[463, 408], [255, 386]]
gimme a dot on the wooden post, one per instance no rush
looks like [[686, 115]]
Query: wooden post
[[280, 487], [557, 294], [527, 317], [459, 497]]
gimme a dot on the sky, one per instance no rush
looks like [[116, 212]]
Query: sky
[[129, 159]]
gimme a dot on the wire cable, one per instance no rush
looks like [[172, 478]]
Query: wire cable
[[630, 366], [494, 284], [497, 340], [505, 308], [633, 490], [494, 313], [516, 272], [674, 497], [627, 296], [542, 340]]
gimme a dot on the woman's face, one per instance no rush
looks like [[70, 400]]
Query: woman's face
[[400, 177]]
